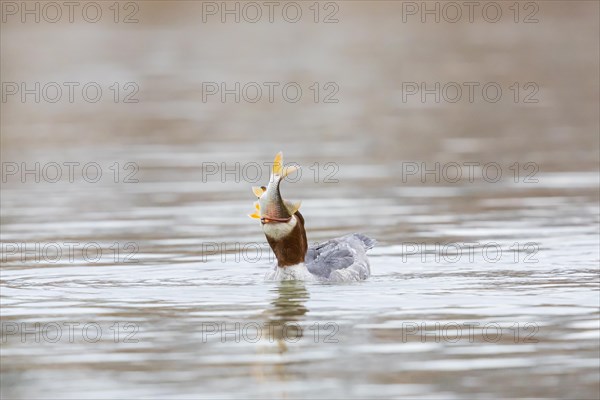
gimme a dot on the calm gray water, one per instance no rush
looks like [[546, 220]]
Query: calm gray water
[[480, 288]]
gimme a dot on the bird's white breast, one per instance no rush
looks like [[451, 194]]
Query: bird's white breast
[[297, 272], [278, 230]]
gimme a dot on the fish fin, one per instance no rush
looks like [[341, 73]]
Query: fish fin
[[257, 205], [254, 216], [292, 206], [258, 190], [277, 164], [290, 169]]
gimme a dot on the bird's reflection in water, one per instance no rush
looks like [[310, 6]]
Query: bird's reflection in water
[[286, 314], [283, 326]]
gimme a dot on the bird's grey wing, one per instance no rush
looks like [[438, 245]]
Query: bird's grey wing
[[346, 255]]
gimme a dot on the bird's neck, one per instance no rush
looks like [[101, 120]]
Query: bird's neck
[[288, 241]]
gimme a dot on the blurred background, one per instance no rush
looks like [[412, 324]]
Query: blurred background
[[166, 127]]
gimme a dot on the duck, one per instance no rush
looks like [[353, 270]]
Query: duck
[[338, 260]]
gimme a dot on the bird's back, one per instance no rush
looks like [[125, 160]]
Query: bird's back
[[342, 259]]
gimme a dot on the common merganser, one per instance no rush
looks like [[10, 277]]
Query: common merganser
[[342, 259]]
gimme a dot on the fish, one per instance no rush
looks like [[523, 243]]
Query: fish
[[270, 206]]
